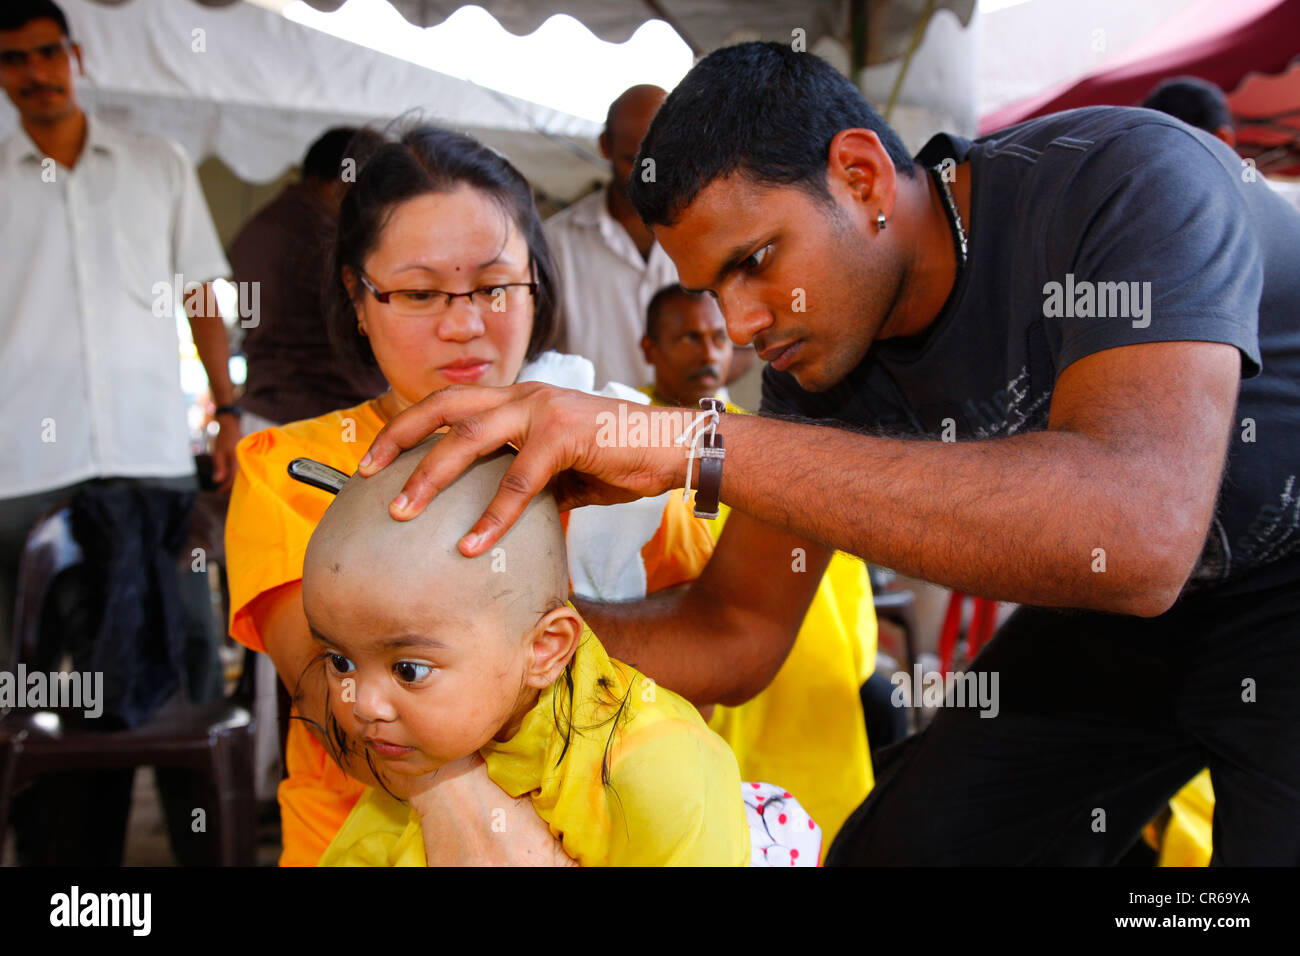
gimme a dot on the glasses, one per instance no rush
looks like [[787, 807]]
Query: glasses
[[430, 303], [49, 52]]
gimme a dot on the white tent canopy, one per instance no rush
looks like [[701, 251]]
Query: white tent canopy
[[704, 24], [254, 89]]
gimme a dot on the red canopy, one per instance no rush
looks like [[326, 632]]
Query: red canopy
[[1225, 43]]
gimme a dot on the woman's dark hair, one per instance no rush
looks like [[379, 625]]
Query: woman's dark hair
[[423, 160], [758, 108]]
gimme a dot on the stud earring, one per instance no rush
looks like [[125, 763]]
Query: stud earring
[[880, 221]]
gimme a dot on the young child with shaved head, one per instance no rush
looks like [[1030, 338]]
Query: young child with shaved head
[[433, 656]]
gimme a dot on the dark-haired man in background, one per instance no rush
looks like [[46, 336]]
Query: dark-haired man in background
[[686, 344], [1197, 103], [1045, 345], [293, 373], [96, 220]]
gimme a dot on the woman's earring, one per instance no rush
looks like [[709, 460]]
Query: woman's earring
[[880, 221]]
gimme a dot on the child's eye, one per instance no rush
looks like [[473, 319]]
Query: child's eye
[[411, 672], [340, 663]]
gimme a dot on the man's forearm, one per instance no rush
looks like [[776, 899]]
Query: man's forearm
[[1032, 518], [213, 346], [658, 637], [723, 637]]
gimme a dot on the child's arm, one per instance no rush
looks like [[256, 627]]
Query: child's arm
[[467, 820]]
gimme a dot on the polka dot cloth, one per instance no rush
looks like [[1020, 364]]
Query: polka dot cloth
[[780, 831]]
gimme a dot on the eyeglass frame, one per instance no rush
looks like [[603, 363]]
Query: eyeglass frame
[[383, 297]]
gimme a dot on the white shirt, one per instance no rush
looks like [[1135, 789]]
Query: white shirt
[[89, 374], [605, 288]]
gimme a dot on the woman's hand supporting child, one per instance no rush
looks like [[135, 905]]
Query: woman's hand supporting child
[[469, 821]]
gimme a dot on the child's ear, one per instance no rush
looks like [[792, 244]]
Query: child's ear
[[553, 641]]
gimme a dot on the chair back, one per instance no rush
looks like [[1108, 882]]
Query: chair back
[[49, 549]]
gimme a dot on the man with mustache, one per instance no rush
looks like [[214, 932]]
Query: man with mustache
[[686, 344], [97, 221], [1128, 475]]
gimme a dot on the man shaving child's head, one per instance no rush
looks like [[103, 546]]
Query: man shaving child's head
[[429, 654]]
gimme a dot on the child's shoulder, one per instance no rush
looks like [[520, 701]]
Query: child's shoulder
[[646, 701], [651, 717], [675, 782]]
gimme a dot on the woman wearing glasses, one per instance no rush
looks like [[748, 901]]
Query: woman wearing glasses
[[440, 275]]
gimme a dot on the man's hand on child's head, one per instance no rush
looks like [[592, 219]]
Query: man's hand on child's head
[[561, 435]]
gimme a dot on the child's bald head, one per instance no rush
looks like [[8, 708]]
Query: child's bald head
[[360, 554]]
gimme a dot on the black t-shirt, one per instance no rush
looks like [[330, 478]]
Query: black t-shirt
[[1092, 229]]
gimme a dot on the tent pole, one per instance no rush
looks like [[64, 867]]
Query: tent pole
[[918, 31]]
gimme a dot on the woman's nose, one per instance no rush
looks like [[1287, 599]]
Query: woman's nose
[[460, 323]]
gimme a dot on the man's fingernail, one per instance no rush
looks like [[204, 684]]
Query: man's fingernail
[[472, 541], [400, 502], [365, 462]]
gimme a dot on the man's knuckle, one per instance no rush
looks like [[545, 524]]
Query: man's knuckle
[[515, 482], [468, 429]]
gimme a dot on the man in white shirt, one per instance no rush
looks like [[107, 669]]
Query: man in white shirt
[[610, 265], [99, 223], [105, 231]]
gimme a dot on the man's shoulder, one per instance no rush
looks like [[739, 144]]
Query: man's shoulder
[[12, 145], [1101, 139], [582, 213], [1078, 128], [284, 216], [137, 143]]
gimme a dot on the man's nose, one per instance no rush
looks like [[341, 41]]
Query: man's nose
[[42, 69], [745, 317], [460, 323]]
